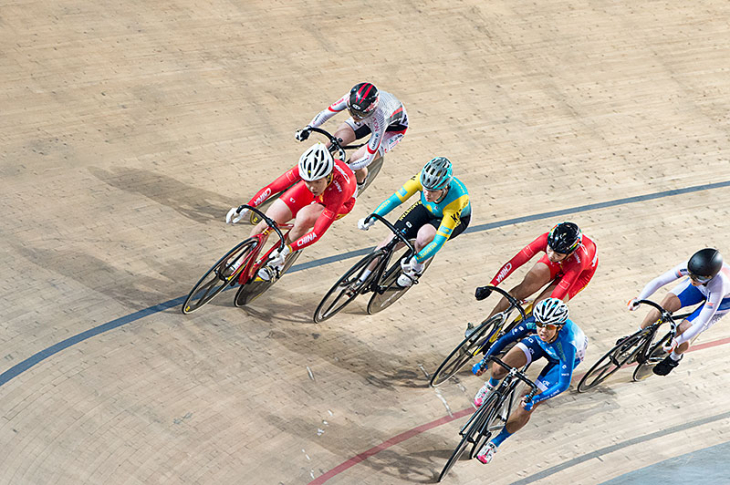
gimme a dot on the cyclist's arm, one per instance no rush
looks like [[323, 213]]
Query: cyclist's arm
[[520, 331], [671, 275], [520, 258], [409, 188], [449, 221], [281, 183], [333, 206], [567, 364], [329, 112], [572, 271]]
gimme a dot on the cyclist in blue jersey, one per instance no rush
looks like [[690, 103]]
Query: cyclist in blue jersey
[[442, 213], [558, 339]]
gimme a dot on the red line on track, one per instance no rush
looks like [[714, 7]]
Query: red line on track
[[347, 464]]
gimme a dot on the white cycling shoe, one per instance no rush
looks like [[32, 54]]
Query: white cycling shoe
[[487, 453], [483, 394]]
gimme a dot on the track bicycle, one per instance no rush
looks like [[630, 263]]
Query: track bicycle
[[335, 147], [492, 415], [382, 281], [240, 265], [642, 347], [481, 338]]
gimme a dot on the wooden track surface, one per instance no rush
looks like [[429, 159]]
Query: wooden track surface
[[128, 130]]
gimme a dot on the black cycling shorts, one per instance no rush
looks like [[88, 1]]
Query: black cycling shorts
[[418, 216]]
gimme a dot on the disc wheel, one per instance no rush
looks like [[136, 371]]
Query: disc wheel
[[389, 291], [256, 287], [223, 272], [347, 288], [622, 354], [480, 339]]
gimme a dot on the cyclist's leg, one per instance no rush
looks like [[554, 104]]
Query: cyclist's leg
[[305, 220], [348, 132], [539, 275], [279, 211], [681, 295]]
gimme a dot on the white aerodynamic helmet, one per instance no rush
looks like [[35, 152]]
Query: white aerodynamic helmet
[[551, 311], [316, 163]]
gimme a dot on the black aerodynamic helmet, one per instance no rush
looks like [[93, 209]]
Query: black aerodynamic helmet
[[704, 264], [564, 237], [363, 100]]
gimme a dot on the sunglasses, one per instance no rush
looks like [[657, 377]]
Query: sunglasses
[[700, 279], [549, 326]]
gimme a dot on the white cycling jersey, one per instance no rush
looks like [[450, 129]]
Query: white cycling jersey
[[390, 111], [714, 291]]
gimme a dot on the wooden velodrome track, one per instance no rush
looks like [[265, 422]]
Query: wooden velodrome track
[[128, 131]]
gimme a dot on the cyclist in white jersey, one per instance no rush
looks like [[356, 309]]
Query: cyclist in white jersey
[[708, 282], [372, 112]]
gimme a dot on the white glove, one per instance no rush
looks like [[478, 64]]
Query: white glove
[[670, 346], [365, 224], [278, 257], [234, 216], [409, 265], [633, 304], [303, 134]]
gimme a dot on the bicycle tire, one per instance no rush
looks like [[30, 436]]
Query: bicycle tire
[[214, 280], [620, 355], [325, 308], [373, 171], [653, 357], [252, 289], [474, 424], [389, 291], [466, 350]]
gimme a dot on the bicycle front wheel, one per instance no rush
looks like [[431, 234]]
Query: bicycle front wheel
[[347, 288], [655, 355], [480, 339], [223, 272], [256, 287], [620, 355], [477, 422]]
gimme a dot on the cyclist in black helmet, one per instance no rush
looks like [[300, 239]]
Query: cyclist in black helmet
[[372, 112], [708, 281], [566, 268]]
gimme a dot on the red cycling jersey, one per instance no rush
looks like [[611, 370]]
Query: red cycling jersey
[[338, 199], [574, 272]]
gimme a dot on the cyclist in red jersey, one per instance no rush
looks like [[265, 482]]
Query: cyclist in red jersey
[[324, 194], [569, 263]]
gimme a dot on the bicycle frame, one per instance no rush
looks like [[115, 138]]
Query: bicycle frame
[[513, 304], [388, 250], [651, 330], [252, 265]]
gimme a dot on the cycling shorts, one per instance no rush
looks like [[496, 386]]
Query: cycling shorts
[[418, 216]]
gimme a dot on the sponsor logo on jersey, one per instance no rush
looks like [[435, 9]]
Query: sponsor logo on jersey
[[260, 200], [504, 272], [337, 185], [308, 238]]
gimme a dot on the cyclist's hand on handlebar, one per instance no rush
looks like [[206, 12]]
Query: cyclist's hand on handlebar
[[633, 304], [670, 346], [482, 292], [527, 403], [278, 257], [365, 224], [303, 134], [234, 215], [479, 368]]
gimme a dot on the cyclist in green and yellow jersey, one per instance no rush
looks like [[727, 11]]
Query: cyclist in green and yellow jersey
[[442, 212]]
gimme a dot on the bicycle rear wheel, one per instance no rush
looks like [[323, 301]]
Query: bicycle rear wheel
[[373, 171], [347, 288], [653, 357], [223, 272], [479, 340], [389, 291], [619, 356], [255, 287], [477, 422]]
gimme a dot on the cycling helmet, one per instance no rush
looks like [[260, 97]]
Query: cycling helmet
[[363, 100], [436, 174], [315, 163], [564, 238], [704, 264], [551, 311]]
